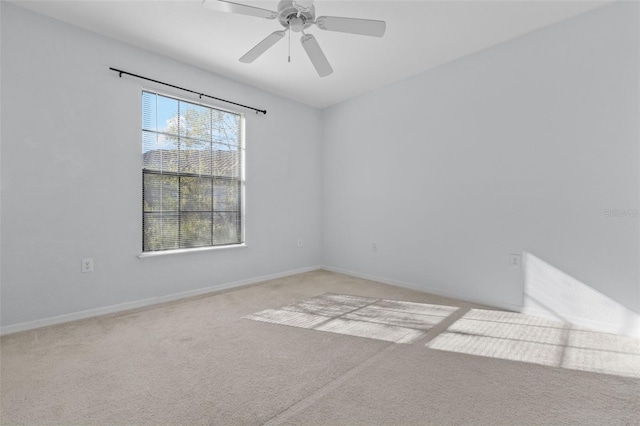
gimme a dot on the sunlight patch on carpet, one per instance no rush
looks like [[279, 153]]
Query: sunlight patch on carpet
[[517, 337], [380, 319]]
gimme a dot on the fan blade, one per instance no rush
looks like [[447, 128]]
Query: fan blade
[[262, 47], [316, 55], [368, 27], [243, 9]]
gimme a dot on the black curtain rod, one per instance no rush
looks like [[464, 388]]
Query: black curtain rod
[[264, 111]]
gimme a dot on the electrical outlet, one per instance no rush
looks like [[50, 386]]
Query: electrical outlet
[[374, 247], [515, 260], [87, 264], [299, 243]]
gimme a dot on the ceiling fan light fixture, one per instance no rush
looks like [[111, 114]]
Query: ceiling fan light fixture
[[297, 16], [296, 24]]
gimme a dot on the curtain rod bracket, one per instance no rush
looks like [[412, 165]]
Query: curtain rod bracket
[[120, 72]]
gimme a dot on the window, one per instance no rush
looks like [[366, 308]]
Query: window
[[192, 173]]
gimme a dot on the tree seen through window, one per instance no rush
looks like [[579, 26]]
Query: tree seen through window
[[192, 174]]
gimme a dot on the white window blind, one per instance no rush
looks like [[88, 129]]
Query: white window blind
[[193, 175]]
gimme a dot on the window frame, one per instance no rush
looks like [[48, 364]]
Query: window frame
[[240, 180]]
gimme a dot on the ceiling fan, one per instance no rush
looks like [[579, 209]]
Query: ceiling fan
[[297, 16]]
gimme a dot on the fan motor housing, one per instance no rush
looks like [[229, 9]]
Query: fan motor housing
[[287, 11]]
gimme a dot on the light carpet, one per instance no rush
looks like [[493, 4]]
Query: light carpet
[[198, 361]]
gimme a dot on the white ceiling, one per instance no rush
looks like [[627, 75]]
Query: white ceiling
[[421, 35]]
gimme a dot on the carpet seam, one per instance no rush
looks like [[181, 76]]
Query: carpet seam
[[307, 401]]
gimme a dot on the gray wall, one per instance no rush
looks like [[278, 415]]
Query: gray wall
[[71, 176], [519, 148]]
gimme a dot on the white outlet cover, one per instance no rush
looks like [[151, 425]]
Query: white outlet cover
[[87, 265]]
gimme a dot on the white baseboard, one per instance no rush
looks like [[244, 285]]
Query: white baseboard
[[437, 292], [89, 313], [127, 306]]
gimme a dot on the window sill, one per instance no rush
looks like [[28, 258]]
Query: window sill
[[186, 251]]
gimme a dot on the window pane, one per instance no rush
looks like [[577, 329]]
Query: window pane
[[226, 228], [160, 232], [195, 194], [149, 111], [226, 160], [195, 230], [170, 154], [159, 152], [160, 193], [226, 128], [226, 195], [168, 115], [197, 121], [151, 155], [195, 156]]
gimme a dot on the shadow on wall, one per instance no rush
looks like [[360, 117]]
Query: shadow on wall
[[551, 293]]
